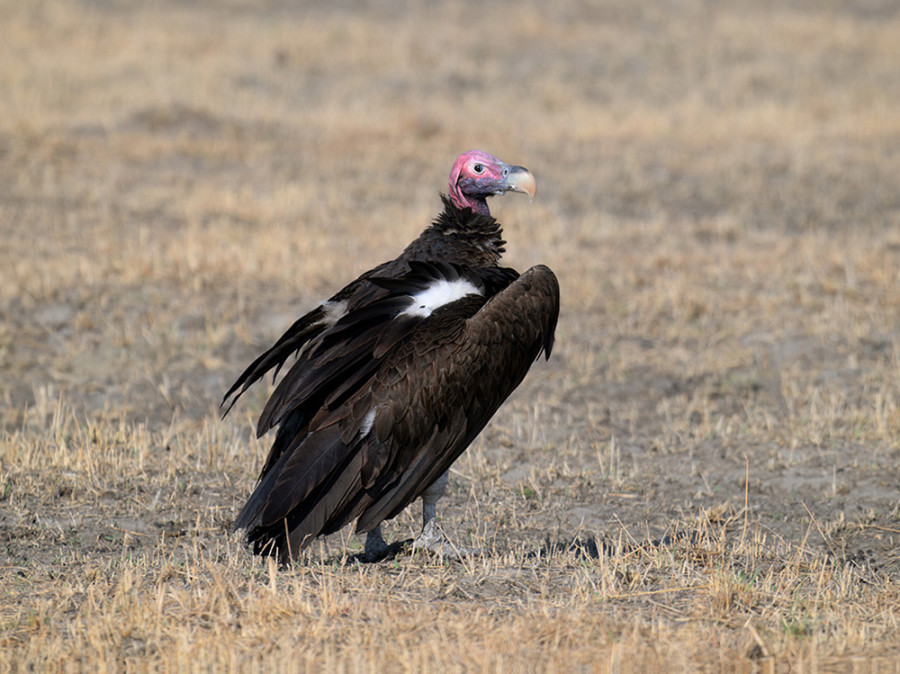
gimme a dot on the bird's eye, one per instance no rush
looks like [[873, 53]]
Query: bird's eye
[[478, 168]]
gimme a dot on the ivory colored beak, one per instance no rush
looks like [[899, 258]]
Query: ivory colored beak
[[521, 180]]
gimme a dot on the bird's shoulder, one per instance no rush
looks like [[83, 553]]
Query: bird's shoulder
[[466, 354]]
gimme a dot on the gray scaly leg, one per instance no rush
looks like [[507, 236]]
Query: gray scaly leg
[[431, 538], [430, 498]]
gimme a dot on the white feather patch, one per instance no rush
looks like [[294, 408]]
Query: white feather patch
[[368, 422], [438, 294], [334, 311]]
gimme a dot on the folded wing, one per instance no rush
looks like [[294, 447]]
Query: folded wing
[[383, 400]]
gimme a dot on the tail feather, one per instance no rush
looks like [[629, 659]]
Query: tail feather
[[310, 486]]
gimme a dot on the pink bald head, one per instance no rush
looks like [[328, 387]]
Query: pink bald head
[[477, 175]]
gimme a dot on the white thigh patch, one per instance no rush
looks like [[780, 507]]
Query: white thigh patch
[[438, 294], [334, 311], [367, 423]]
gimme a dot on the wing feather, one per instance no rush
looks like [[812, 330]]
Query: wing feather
[[481, 365]]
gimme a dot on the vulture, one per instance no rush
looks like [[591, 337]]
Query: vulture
[[396, 374]]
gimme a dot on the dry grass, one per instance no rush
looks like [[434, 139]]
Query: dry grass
[[718, 194]]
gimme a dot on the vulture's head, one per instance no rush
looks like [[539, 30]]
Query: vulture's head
[[476, 175]]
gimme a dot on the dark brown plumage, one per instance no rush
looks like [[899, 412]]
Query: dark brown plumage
[[397, 373]]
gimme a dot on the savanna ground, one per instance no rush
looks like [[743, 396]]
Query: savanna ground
[[718, 192]]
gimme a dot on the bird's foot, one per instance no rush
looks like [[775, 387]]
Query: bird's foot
[[377, 550], [432, 539], [376, 547]]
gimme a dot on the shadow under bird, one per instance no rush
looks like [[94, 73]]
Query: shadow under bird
[[396, 375]]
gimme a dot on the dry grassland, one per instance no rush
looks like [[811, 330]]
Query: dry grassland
[[719, 195]]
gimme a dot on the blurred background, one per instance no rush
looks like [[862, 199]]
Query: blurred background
[[717, 190], [164, 162]]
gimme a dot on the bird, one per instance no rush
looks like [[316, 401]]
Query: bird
[[396, 374]]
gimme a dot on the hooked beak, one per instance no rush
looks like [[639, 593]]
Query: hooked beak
[[519, 179]]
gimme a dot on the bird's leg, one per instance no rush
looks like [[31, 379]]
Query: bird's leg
[[431, 538], [375, 548], [430, 498]]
